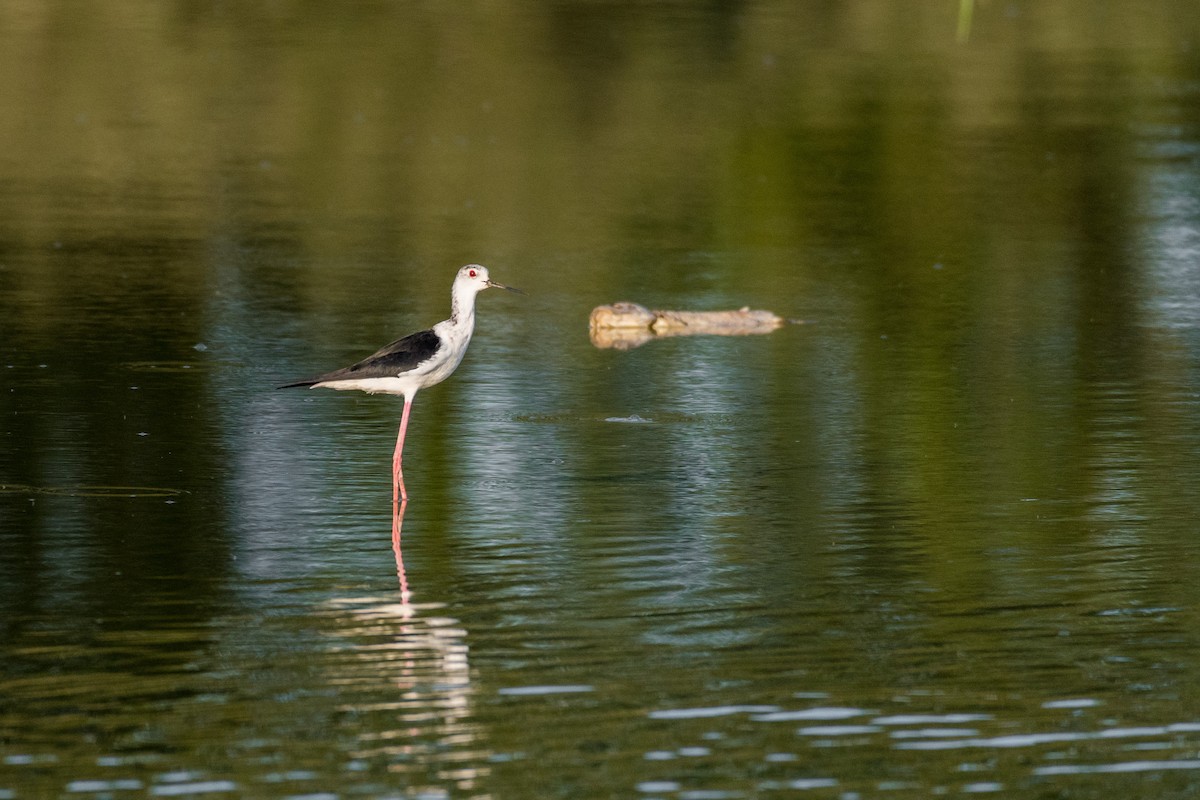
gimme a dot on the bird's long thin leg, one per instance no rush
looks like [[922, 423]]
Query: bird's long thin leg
[[398, 490]]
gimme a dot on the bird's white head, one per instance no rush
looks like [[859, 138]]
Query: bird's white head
[[474, 278], [470, 281]]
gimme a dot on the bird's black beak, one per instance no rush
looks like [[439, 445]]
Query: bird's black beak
[[494, 285]]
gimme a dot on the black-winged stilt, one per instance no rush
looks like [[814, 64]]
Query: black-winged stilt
[[410, 364]]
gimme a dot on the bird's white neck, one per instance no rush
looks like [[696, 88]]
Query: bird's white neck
[[462, 307]]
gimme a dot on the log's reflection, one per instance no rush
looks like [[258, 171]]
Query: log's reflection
[[397, 524]]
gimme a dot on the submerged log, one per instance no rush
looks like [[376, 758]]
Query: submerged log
[[627, 325]]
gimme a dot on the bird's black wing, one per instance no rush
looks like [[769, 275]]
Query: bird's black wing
[[400, 356]]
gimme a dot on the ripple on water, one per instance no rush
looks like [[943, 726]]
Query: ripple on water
[[526, 691], [174, 785], [91, 491], [1123, 766], [820, 713], [1082, 702], [102, 786], [914, 751], [712, 711], [837, 730]]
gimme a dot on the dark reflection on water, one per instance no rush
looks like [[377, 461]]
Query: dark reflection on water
[[940, 540]]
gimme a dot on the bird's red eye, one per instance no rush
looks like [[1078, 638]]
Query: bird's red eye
[[472, 273]]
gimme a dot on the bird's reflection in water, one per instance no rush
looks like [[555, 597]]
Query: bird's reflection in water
[[397, 524], [403, 670]]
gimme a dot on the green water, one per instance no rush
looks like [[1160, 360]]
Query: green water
[[940, 539]]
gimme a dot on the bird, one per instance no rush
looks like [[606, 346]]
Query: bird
[[415, 362]]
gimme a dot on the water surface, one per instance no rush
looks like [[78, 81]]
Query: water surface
[[939, 539]]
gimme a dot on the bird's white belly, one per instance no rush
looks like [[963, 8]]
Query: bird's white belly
[[401, 385]]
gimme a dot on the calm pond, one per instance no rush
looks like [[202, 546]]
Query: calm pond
[[941, 538]]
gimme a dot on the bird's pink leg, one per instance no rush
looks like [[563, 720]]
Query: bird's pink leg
[[398, 490]]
